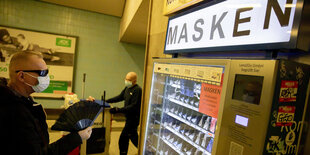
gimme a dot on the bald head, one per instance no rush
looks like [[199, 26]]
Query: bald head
[[254, 87], [20, 80], [132, 76], [26, 60]]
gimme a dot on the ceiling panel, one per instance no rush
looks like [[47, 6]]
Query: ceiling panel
[[137, 28], [109, 7]]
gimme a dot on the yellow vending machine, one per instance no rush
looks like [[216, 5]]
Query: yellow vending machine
[[225, 107]]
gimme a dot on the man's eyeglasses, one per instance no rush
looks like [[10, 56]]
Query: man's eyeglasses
[[40, 72]]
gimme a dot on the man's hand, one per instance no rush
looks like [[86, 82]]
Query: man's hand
[[114, 110], [85, 134], [90, 98]]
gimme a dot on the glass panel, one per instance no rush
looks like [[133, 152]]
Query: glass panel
[[248, 88], [179, 120], [152, 140]]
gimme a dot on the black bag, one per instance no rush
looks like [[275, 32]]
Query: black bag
[[96, 142]]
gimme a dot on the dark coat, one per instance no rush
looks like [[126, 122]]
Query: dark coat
[[132, 98], [23, 128]]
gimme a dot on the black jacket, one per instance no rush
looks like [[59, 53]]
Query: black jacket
[[132, 98], [23, 128]]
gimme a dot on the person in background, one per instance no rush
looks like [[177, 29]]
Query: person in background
[[2, 58], [7, 40], [24, 44], [48, 54], [23, 122], [252, 92], [21, 43], [131, 94]]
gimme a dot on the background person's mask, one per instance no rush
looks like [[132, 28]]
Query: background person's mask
[[128, 83], [44, 81], [248, 98]]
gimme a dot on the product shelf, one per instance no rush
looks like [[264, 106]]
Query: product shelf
[[183, 104], [190, 124], [188, 140], [171, 146]]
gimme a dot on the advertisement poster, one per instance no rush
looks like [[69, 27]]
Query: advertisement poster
[[57, 50], [210, 99], [286, 119]]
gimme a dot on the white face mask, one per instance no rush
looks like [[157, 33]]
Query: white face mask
[[248, 98], [128, 83], [44, 81]]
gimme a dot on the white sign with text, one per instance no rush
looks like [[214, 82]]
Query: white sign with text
[[233, 22]]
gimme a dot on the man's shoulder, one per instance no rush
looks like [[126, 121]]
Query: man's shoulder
[[6, 96], [137, 88], [4, 91]]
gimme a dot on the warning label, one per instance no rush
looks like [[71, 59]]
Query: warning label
[[288, 91], [285, 116]]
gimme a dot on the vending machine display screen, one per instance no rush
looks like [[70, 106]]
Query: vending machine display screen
[[241, 120], [248, 88]]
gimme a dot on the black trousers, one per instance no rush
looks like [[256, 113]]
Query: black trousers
[[129, 133]]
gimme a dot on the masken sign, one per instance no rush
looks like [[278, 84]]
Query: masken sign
[[234, 25]]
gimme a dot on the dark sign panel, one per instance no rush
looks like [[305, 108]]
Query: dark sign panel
[[286, 119]]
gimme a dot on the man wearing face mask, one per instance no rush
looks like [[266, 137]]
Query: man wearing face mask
[[131, 94], [23, 122], [252, 92]]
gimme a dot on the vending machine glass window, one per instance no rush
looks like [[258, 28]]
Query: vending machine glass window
[[183, 108]]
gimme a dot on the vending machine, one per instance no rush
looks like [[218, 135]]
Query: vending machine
[[226, 107]]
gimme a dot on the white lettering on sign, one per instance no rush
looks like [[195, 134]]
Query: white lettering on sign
[[233, 22]]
